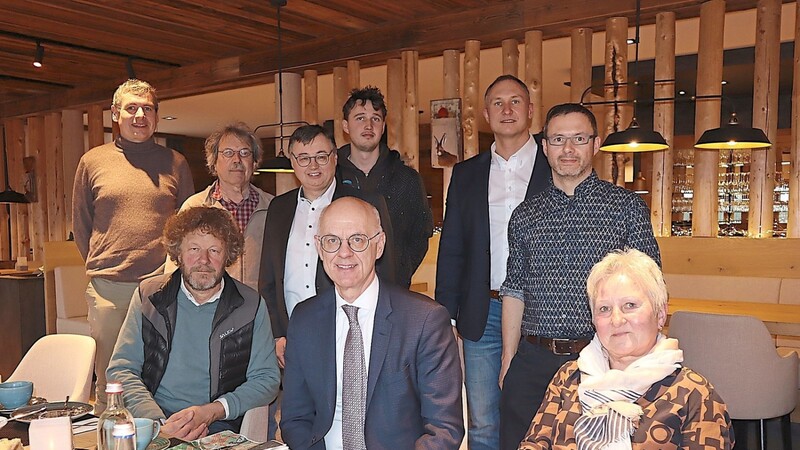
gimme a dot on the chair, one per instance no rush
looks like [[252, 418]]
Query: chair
[[59, 365], [254, 424], [737, 355], [71, 307]]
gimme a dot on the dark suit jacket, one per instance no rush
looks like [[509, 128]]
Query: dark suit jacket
[[280, 216], [464, 264], [414, 382]]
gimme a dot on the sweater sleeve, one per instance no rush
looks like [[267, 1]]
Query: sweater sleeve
[[263, 376], [82, 209], [127, 361]]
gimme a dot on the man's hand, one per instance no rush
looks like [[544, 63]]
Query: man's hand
[[280, 350], [192, 423]]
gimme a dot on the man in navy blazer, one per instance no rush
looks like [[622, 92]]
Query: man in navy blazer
[[413, 379], [484, 190]]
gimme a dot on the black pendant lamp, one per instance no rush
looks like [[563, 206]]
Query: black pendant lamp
[[733, 136], [634, 139]]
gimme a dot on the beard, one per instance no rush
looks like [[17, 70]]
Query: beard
[[202, 278]]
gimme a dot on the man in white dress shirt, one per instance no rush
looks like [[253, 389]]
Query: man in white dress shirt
[[410, 376]]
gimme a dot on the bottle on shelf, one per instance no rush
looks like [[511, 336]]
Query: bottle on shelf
[[124, 436], [115, 413]]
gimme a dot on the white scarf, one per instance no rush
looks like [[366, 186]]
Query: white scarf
[[607, 395]]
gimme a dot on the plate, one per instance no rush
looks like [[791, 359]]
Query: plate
[[73, 409], [3, 422], [159, 443], [31, 402]]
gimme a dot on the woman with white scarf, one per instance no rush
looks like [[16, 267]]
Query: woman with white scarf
[[628, 389]]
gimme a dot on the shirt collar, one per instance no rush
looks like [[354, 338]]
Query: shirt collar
[[368, 300], [213, 298], [216, 193], [326, 198], [521, 157]]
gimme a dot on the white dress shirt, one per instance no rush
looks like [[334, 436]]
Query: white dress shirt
[[508, 183], [366, 303], [300, 270]]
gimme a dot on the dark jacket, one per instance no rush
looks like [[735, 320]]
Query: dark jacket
[[273, 254], [463, 268], [233, 320], [402, 187]]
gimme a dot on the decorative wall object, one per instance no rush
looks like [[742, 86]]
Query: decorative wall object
[[447, 145]]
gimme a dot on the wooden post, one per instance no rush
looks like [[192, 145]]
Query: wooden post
[[311, 110], [292, 112], [471, 106], [510, 57], [340, 95], [793, 225], [707, 111], [617, 115], [410, 119], [15, 150], [451, 82], [56, 215], [38, 209], [765, 116], [533, 77], [96, 129], [72, 122], [353, 75], [395, 96], [5, 245], [580, 73], [664, 123]]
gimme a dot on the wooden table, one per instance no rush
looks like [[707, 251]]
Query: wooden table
[[779, 319]]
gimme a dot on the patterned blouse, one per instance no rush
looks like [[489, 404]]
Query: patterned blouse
[[682, 411]]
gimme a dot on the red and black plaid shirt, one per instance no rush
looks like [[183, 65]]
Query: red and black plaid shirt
[[241, 211]]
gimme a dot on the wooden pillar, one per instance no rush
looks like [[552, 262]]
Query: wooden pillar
[[580, 73], [471, 91], [56, 214], [793, 225], [765, 116], [5, 244], [15, 150], [410, 119], [72, 122], [533, 77], [707, 112], [510, 57], [664, 123], [617, 117], [37, 210], [340, 94], [96, 129], [395, 96], [451, 82], [353, 75], [292, 112], [311, 110]]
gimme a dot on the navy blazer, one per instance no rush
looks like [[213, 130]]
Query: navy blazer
[[414, 382], [280, 216], [463, 268]]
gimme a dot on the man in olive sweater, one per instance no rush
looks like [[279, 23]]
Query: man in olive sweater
[[124, 192]]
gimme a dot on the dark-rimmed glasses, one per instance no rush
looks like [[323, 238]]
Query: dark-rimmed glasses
[[358, 242], [578, 139], [321, 158]]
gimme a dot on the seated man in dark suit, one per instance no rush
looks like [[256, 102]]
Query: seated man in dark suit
[[368, 364], [196, 350]]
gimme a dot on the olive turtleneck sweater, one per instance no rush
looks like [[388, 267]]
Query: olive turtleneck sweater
[[123, 194]]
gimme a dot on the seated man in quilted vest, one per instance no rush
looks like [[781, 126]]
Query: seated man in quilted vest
[[196, 349]]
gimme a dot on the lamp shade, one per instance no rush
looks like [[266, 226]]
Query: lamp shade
[[733, 136], [12, 196], [633, 140], [278, 164]]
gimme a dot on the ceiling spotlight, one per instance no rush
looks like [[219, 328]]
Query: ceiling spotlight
[[681, 92], [724, 82], [169, 117], [37, 59], [630, 41]]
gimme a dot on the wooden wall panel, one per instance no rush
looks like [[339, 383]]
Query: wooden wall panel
[[793, 225], [56, 214], [72, 146], [38, 209], [311, 97], [95, 123], [353, 76], [5, 245], [15, 150]]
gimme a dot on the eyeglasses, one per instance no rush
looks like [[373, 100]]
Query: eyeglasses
[[243, 153], [147, 109], [331, 243], [305, 160], [578, 139]]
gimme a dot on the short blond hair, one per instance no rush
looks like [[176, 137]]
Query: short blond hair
[[639, 267], [135, 87]]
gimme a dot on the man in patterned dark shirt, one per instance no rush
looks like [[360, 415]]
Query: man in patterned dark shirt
[[554, 240]]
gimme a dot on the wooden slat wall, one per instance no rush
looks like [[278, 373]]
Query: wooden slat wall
[[73, 148], [56, 208], [38, 209], [15, 149]]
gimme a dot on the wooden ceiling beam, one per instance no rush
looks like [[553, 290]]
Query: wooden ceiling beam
[[429, 36]]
